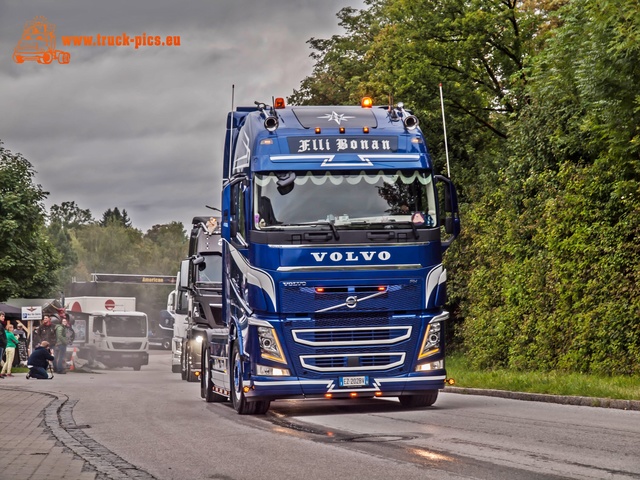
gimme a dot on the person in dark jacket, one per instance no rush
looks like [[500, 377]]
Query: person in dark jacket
[[39, 361], [46, 331]]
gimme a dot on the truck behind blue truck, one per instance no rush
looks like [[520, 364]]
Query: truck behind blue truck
[[333, 284]]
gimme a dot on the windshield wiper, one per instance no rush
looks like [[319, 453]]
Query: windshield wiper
[[336, 235], [413, 227]]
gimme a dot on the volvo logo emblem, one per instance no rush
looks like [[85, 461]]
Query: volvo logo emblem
[[351, 302]]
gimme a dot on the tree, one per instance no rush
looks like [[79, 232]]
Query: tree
[[555, 259], [115, 216], [69, 215], [168, 246], [28, 261]]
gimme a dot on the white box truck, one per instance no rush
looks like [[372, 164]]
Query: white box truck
[[112, 338]]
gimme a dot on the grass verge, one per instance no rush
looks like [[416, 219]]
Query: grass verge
[[554, 383]]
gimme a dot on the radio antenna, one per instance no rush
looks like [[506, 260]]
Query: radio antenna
[[444, 125]]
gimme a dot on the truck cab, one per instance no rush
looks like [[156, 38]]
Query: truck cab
[[334, 226], [200, 280]]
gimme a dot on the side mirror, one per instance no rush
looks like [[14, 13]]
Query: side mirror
[[184, 275], [449, 206]]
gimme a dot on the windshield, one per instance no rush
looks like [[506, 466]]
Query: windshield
[[344, 199], [210, 271], [125, 326]]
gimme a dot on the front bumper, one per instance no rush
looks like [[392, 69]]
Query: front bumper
[[376, 386]]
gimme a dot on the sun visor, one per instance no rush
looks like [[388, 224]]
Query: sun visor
[[348, 117]]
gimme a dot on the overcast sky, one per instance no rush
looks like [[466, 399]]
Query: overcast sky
[[143, 129]]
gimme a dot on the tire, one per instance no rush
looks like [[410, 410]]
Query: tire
[[239, 401], [418, 401], [137, 367], [206, 384], [262, 407], [175, 369]]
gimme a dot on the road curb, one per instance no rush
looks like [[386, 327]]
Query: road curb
[[541, 397]]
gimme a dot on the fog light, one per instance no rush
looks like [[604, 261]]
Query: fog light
[[272, 371], [427, 367]]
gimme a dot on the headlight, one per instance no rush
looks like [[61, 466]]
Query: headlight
[[431, 341], [270, 345], [199, 339]]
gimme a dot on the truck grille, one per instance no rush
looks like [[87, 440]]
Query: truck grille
[[307, 300], [353, 362], [352, 336], [127, 345], [331, 343]]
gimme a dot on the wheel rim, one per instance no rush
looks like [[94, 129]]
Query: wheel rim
[[237, 389]]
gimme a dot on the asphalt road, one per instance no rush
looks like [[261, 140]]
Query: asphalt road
[[158, 423]]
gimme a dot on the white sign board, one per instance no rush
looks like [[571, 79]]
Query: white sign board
[[31, 313]]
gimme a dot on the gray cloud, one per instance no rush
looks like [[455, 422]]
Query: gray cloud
[[143, 129]]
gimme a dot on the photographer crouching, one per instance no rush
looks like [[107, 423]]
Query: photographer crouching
[[39, 361]]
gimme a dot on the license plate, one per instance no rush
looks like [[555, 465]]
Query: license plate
[[354, 381]]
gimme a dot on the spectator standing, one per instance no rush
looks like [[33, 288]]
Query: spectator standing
[[22, 352], [45, 332], [12, 344], [63, 338], [19, 332], [3, 337], [39, 361]]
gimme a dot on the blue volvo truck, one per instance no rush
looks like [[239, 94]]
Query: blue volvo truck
[[334, 225]]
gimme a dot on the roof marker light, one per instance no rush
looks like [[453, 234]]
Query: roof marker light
[[319, 289], [366, 102], [342, 129], [318, 130], [365, 129]]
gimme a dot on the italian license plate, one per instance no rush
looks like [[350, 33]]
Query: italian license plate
[[354, 381]]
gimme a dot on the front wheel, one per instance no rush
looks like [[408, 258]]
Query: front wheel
[[240, 403], [137, 367], [418, 401]]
